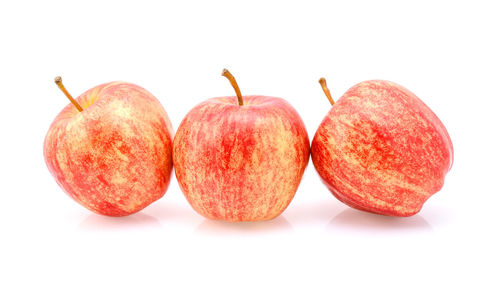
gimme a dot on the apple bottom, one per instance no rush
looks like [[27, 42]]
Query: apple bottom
[[390, 210], [236, 205], [107, 201]]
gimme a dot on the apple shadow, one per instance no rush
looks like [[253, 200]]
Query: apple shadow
[[360, 221], [169, 211], [134, 221], [312, 212], [217, 227]]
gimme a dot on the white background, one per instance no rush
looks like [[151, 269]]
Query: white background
[[446, 52]]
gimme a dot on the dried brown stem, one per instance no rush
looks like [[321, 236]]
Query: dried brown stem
[[231, 79], [322, 81], [58, 81]]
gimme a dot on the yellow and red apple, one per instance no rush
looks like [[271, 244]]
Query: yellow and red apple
[[240, 158], [381, 149], [111, 150]]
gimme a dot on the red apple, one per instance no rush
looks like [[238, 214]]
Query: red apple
[[381, 149], [240, 160], [111, 150]]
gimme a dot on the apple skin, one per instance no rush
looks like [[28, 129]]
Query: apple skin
[[241, 163], [381, 149], [114, 157]]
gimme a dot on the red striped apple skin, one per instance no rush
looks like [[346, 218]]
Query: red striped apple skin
[[114, 157], [241, 163], [381, 149]]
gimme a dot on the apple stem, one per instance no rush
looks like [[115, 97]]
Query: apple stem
[[322, 81], [58, 81], [231, 79]]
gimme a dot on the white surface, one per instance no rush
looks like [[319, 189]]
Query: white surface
[[447, 52]]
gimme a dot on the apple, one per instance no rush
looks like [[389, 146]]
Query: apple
[[240, 158], [111, 149], [381, 149]]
